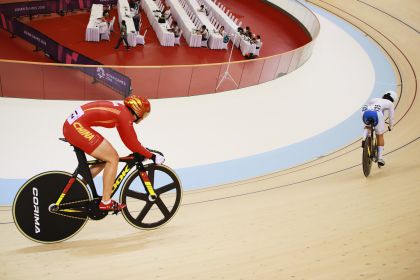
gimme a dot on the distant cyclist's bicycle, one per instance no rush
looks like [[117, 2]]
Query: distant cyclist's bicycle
[[370, 151], [55, 205]]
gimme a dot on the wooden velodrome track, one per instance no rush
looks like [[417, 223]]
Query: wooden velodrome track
[[320, 220]]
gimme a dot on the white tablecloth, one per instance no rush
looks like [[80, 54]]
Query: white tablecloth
[[124, 14], [215, 40], [166, 38], [246, 46], [184, 22], [92, 29]]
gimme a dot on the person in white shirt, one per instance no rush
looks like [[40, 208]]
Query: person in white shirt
[[373, 113], [221, 31], [175, 29], [167, 13], [204, 33]]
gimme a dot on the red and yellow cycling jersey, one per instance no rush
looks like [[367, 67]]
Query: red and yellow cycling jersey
[[77, 129]]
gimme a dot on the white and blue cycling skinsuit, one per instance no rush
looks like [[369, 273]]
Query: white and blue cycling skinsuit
[[374, 110]]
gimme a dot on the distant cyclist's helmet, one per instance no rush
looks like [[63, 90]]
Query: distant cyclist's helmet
[[140, 106], [391, 96]]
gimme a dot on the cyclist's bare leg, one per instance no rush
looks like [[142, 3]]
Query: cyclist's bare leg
[[107, 153], [381, 143], [96, 169]]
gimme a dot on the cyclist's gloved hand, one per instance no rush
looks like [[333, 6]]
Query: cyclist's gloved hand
[[158, 159]]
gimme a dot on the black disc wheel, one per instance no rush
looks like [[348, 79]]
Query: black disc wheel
[[34, 213], [144, 211], [367, 156]]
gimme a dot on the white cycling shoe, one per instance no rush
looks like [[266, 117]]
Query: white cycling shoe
[[381, 162]]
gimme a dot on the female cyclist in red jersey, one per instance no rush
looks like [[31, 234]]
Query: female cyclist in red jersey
[[77, 129]]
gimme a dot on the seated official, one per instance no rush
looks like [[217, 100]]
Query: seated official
[[248, 32], [203, 31], [167, 13], [221, 31], [175, 29]]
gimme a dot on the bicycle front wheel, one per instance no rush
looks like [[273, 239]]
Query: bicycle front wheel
[[367, 156], [32, 208], [142, 210]]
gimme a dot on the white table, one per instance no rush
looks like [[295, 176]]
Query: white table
[[246, 46], [166, 38], [125, 14], [215, 39], [92, 29], [185, 23], [230, 26]]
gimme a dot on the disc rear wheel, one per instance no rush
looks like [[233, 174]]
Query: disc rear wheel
[[33, 207]]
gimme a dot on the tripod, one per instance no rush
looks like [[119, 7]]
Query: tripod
[[227, 75]]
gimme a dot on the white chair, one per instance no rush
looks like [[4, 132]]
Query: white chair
[[178, 38], [140, 39], [236, 21], [227, 12], [103, 31], [239, 24], [111, 24]]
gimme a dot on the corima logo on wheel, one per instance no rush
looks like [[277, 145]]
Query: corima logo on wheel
[[35, 200]]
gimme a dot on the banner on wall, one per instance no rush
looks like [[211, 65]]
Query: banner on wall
[[110, 77], [28, 8], [48, 6], [107, 76]]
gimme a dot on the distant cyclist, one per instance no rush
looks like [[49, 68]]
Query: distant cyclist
[[78, 131], [373, 112]]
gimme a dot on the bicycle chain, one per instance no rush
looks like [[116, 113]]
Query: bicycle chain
[[68, 203], [67, 216]]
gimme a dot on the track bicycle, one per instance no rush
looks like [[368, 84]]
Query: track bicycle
[[370, 151], [53, 206]]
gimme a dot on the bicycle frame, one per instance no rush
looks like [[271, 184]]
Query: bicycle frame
[[84, 171], [373, 143]]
